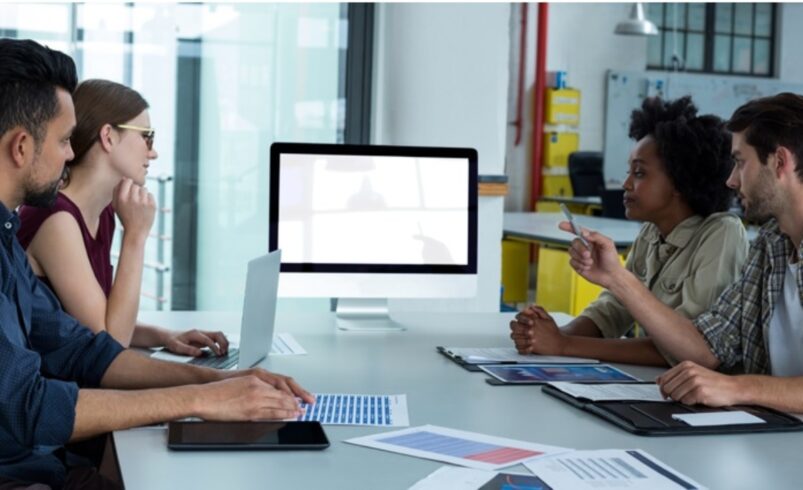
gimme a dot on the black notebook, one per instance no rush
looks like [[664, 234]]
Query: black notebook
[[656, 418]]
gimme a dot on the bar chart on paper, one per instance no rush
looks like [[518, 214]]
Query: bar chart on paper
[[609, 468], [352, 409], [457, 447], [460, 448]]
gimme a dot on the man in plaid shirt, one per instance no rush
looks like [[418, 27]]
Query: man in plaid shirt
[[755, 328]]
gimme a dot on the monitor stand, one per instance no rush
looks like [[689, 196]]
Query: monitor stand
[[365, 315]]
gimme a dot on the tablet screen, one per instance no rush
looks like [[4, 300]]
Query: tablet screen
[[545, 373], [245, 435]]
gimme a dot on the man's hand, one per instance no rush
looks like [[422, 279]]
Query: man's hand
[[135, 207], [534, 331], [693, 384], [285, 384], [244, 398], [189, 343], [598, 264]]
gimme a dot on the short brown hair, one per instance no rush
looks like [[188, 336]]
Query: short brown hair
[[770, 122], [97, 103]]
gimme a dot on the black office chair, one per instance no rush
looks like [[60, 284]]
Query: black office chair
[[612, 204], [585, 173]]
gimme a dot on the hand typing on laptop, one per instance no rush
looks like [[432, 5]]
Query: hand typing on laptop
[[251, 394], [192, 342]]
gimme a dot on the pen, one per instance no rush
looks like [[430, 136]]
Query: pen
[[575, 228]]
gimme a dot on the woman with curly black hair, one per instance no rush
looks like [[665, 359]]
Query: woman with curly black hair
[[689, 249]]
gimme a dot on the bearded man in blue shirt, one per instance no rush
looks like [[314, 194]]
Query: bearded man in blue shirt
[[59, 382]]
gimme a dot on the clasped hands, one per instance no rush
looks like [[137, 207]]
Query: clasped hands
[[534, 331]]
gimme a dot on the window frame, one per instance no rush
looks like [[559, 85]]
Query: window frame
[[709, 36]]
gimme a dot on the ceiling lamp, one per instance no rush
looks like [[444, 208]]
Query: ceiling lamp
[[636, 24]]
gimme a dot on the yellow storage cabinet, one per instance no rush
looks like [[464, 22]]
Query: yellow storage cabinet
[[556, 184], [557, 148], [562, 106], [515, 271], [559, 287]]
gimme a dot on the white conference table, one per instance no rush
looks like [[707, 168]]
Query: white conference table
[[439, 392], [543, 228]]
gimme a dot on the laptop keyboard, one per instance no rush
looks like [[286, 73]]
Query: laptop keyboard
[[209, 359]]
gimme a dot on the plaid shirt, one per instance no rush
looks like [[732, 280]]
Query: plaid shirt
[[736, 326]]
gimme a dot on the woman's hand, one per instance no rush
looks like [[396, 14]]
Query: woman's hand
[[135, 207], [189, 343]]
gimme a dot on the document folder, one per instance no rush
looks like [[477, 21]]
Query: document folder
[[503, 355], [652, 418]]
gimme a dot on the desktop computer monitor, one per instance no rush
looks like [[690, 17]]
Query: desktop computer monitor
[[364, 223]]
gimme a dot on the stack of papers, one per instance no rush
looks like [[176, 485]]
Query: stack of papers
[[609, 468], [574, 470], [284, 344]]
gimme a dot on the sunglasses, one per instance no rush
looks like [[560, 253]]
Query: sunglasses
[[147, 133]]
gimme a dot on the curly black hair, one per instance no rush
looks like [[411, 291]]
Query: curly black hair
[[695, 150]]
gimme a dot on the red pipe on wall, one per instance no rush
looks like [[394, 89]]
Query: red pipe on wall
[[540, 88], [522, 68]]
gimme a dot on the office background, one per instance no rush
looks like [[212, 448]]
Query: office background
[[226, 80]]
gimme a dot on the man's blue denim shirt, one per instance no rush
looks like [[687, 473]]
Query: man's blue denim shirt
[[45, 356]]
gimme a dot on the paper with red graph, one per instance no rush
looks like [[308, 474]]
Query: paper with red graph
[[457, 447]]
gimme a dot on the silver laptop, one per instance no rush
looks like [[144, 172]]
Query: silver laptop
[[259, 318]]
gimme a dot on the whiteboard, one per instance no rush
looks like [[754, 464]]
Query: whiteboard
[[713, 94]]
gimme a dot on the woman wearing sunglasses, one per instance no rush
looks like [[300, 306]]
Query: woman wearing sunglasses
[[69, 244]]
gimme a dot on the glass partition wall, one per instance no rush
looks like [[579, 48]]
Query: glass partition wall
[[224, 81]]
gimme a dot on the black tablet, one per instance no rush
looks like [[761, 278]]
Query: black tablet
[[246, 435]]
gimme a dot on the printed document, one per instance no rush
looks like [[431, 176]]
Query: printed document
[[492, 355], [608, 468], [456, 478], [351, 409], [458, 447], [284, 344], [611, 391]]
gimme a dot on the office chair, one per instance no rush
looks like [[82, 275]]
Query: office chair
[[585, 173], [612, 205]]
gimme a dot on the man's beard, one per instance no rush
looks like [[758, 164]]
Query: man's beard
[[762, 204], [44, 197]]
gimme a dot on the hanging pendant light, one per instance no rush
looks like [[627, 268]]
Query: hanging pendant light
[[637, 24]]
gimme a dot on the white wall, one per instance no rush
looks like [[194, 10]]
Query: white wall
[[580, 41], [441, 79]]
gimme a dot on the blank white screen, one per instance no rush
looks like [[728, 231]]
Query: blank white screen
[[347, 209]]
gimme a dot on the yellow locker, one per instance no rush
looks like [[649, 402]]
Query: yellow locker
[[515, 271], [558, 146], [557, 185], [562, 106], [552, 287], [558, 287]]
